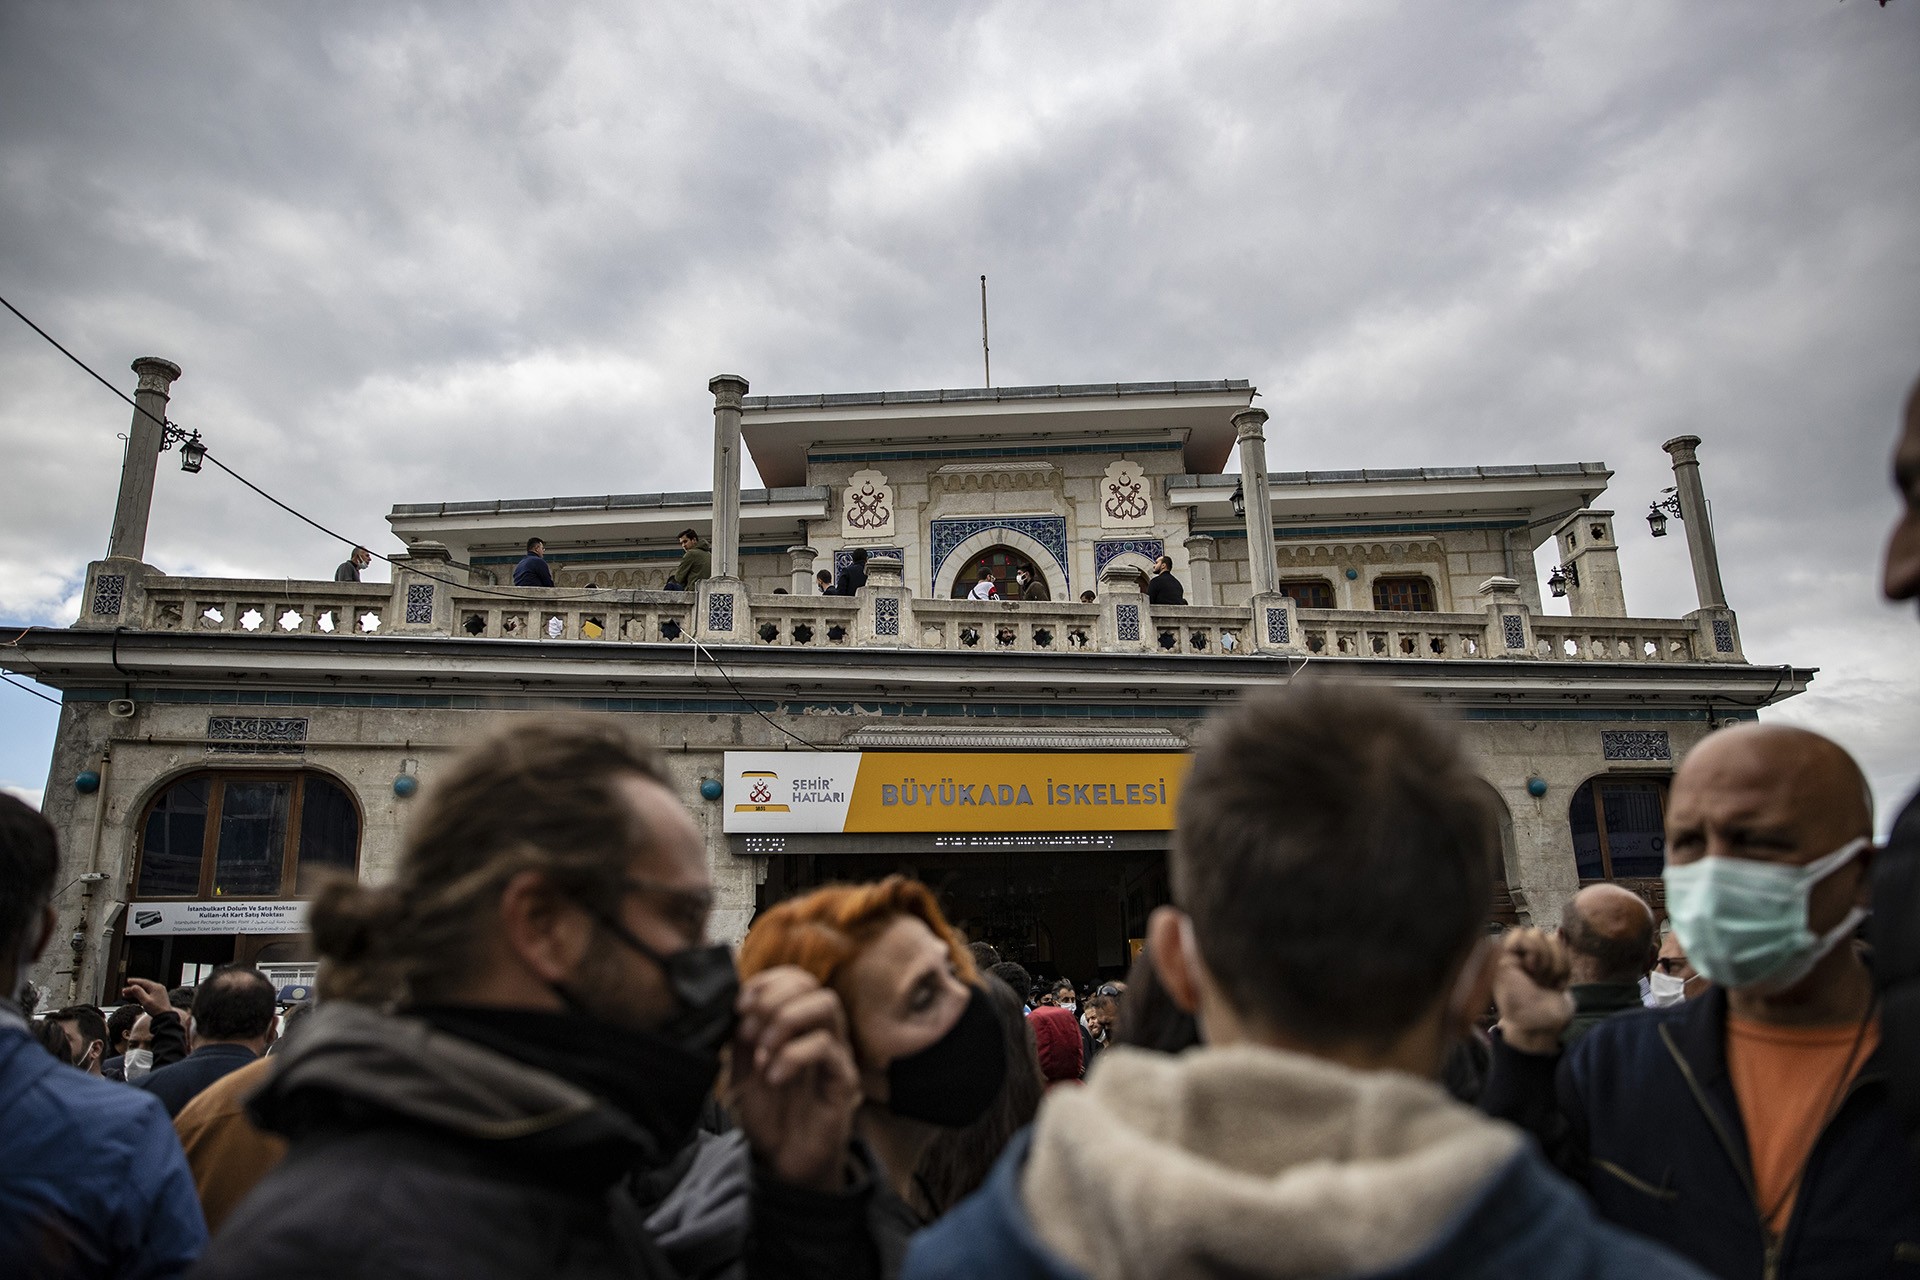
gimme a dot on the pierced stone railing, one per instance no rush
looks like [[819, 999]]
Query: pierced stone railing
[[423, 603], [1561, 639], [572, 613], [1016, 626], [1352, 633], [801, 622], [266, 606]]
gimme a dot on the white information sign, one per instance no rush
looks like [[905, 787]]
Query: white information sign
[[225, 915]]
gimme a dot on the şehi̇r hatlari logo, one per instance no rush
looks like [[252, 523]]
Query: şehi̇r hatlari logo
[[759, 784]]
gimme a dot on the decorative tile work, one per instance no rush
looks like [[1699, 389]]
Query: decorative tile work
[[257, 735], [720, 611], [843, 559], [1126, 500], [1049, 531], [1514, 627], [1278, 632], [1722, 636], [866, 506], [886, 616], [1635, 744], [419, 603], [1126, 621], [1106, 549], [109, 593]]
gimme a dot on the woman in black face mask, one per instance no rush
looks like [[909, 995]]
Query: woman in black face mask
[[929, 1047]]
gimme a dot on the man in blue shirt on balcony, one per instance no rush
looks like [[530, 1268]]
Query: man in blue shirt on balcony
[[533, 571]]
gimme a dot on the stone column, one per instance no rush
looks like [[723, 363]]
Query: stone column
[[1693, 513], [1124, 622], [728, 389], [131, 508], [886, 607], [803, 558], [1200, 551], [1509, 631], [1248, 426]]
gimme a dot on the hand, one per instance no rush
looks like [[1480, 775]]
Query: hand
[[148, 994], [1530, 990], [792, 1083]]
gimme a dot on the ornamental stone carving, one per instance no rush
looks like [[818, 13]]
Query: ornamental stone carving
[[1126, 500], [866, 506]]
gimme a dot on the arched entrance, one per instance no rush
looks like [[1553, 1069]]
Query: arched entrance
[[1002, 561]]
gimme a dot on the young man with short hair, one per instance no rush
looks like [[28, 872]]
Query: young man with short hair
[[1333, 872], [696, 563], [1163, 587], [532, 571]]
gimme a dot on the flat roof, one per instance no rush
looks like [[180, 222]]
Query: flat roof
[[780, 431], [614, 516]]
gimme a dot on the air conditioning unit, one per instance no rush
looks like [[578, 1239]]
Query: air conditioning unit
[[122, 708]]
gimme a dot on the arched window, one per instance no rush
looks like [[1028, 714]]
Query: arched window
[[1004, 561], [242, 835], [1309, 593], [1619, 828], [1403, 595]]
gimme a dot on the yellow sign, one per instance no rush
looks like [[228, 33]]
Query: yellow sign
[[805, 791]]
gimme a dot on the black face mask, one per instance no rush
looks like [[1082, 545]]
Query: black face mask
[[955, 1079], [703, 981]]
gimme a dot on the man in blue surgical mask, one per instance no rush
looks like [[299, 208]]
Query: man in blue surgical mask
[[1748, 1129]]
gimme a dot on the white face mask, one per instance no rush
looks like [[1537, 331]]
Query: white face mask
[[137, 1063], [1664, 990]]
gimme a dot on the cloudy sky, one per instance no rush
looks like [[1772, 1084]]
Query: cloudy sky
[[422, 252]]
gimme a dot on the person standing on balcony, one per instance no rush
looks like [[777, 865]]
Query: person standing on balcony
[[854, 576], [532, 571], [984, 588], [1163, 587], [1028, 587], [349, 570], [824, 580], [696, 563]]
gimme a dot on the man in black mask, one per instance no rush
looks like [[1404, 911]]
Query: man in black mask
[[523, 1028]]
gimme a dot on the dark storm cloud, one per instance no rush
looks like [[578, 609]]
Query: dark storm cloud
[[466, 251]]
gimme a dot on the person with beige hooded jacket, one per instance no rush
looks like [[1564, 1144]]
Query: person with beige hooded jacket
[[1333, 874]]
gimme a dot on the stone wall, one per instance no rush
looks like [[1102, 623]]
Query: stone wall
[[367, 747]]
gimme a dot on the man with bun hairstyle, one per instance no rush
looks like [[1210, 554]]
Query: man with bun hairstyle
[[525, 1024]]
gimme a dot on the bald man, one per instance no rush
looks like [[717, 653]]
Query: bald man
[[1611, 944], [1748, 1129]]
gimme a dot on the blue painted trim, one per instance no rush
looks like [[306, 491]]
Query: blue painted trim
[[1049, 531], [1345, 530], [614, 557]]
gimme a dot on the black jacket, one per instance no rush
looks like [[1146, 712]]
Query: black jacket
[[416, 1153], [1642, 1113], [1895, 933], [1164, 588], [182, 1082]]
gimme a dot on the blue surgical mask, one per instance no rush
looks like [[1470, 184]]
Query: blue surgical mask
[[1744, 922]]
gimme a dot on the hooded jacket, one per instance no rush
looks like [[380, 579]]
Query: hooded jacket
[[1056, 1035], [419, 1153], [1250, 1162]]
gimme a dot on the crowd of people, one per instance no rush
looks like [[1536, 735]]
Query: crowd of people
[[528, 1058]]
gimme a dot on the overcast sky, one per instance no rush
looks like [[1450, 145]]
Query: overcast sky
[[426, 252]]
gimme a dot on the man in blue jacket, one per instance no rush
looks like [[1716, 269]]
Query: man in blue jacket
[[1332, 867], [1749, 1128], [533, 570], [92, 1179]]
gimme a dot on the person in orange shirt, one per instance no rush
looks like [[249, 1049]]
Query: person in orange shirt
[[1750, 1128]]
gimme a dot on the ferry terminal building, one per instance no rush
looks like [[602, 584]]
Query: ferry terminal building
[[222, 740]]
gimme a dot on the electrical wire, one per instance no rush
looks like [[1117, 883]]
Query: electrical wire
[[26, 689], [597, 599], [699, 649]]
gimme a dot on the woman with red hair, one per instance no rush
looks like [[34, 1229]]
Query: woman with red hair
[[928, 1044]]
